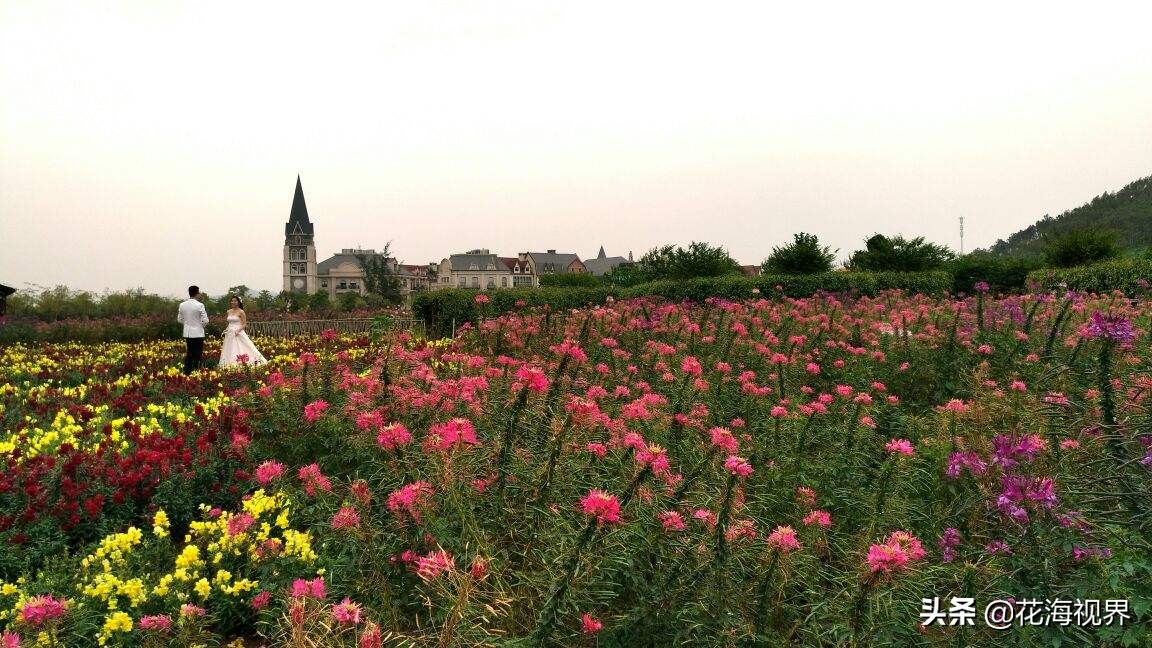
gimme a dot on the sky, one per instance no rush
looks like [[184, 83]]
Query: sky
[[156, 144]]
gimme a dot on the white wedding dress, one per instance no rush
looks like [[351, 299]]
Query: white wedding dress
[[237, 344]]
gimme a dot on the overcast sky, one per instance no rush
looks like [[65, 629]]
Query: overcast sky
[[157, 144]]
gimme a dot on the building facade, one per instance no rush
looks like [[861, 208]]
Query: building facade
[[300, 267], [340, 273], [603, 263]]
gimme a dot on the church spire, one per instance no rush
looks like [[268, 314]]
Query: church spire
[[601, 255], [298, 222]]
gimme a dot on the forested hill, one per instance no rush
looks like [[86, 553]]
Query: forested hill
[[1128, 212]]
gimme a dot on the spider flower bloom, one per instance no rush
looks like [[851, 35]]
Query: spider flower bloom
[[948, 543], [268, 471], [393, 436], [309, 588], [9, 640], [691, 366], [314, 410], [346, 518], [409, 498], [671, 520], [896, 554], [601, 505], [900, 446], [531, 378], [738, 466], [722, 439], [590, 624], [157, 622], [783, 539], [313, 479], [39, 610], [371, 637], [346, 612], [1113, 328], [434, 563], [457, 432], [956, 406], [818, 518]]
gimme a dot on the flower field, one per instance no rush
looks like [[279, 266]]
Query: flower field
[[642, 473]]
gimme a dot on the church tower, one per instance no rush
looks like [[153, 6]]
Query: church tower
[[300, 274]]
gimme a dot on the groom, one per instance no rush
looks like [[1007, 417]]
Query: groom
[[193, 316]]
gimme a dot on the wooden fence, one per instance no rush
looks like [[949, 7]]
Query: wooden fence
[[287, 328]]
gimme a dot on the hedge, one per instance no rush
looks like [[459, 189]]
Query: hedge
[[1128, 275], [443, 309]]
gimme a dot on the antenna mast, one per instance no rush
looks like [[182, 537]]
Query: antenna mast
[[961, 235]]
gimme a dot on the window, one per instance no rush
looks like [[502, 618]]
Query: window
[[353, 285], [343, 285], [324, 283], [463, 281], [521, 280], [475, 282], [298, 268], [503, 282]]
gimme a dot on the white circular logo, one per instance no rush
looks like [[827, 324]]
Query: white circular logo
[[298, 283]]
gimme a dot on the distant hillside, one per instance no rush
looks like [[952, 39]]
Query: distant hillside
[[1128, 212]]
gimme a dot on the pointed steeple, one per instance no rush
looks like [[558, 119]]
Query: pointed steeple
[[298, 223], [601, 255]]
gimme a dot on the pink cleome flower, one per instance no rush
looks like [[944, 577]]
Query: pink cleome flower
[[158, 622], [393, 436], [269, 471], [783, 539], [346, 612], [434, 563], [409, 499], [738, 466], [671, 520], [346, 518], [901, 549], [590, 624], [40, 610], [601, 505], [900, 446], [818, 518], [723, 440], [314, 410], [455, 433], [313, 479]]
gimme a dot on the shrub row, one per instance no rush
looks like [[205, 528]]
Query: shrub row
[[444, 309], [1128, 275]]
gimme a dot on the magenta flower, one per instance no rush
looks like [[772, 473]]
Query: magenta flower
[[900, 550], [671, 521], [723, 440], [783, 539], [393, 436], [818, 518], [40, 610], [1112, 328], [434, 563], [346, 612], [314, 410], [738, 466], [268, 471], [346, 518], [601, 505], [158, 622], [900, 446], [589, 624]]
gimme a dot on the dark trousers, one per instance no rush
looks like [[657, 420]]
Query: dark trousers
[[194, 357]]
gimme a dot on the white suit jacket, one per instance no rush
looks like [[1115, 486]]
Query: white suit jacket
[[193, 316]]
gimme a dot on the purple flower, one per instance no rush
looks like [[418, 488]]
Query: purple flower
[[998, 547], [981, 286], [958, 461], [1081, 553], [1007, 450], [949, 540], [1114, 328]]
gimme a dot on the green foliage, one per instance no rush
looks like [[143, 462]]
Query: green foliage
[[626, 275], [898, 254], [569, 280], [1127, 212], [803, 256], [319, 301], [1002, 274], [1081, 247], [1128, 275], [380, 276], [349, 301], [697, 260]]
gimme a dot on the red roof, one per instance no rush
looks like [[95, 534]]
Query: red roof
[[510, 262]]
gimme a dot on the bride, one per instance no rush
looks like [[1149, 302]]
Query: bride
[[237, 348]]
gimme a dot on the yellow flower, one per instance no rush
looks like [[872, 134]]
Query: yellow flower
[[203, 588], [160, 524]]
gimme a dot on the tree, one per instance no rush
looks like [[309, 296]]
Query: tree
[[319, 301], [697, 260], [626, 275], [897, 254], [803, 256], [1080, 247], [380, 275], [264, 301]]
